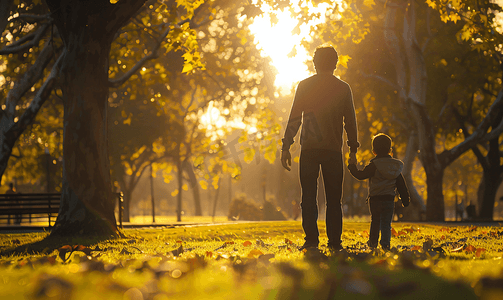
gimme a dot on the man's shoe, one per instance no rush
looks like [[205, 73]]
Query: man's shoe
[[370, 245], [308, 245], [336, 247]]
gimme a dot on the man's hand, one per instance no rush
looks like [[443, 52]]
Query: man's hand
[[352, 159], [286, 159]]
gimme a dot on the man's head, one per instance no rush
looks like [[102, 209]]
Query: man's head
[[381, 144], [325, 59]]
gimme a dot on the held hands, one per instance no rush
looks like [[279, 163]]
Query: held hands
[[286, 159], [352, 159]]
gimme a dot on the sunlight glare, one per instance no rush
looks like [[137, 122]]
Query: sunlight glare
[[277, 41]]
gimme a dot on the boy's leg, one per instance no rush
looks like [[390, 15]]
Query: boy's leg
[[386, 217], [309, 170], [375, 222], [333, 174]]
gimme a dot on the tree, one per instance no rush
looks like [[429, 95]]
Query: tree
[[86, 47], [29, 72], [87, 29], [482, 34], [176, 102]]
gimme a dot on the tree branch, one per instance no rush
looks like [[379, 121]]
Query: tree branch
[[29, 18], [123, 11], [466, 134], [480, 133], [22, 45], [28, 79], [495, 132], [152, 55], [42, 94]]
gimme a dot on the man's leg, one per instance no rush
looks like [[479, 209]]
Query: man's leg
[[386, 217], [375, 222], [309, 171], [333, 174]]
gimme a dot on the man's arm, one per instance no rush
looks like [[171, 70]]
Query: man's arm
[[366, 173], [350, 123], [402, 189], [294, 121]]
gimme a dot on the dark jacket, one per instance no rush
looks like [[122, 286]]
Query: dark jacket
[[323, 104], [385, 178]]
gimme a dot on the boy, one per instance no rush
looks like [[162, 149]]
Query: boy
[[384, 173]]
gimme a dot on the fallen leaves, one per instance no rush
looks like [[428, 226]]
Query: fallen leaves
[[67, 249], [403, 232], [234, 257], [254, 253]]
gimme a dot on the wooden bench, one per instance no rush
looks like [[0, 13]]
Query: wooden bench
[[15, 207]]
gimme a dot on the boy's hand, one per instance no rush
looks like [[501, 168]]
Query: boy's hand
[[286, 159], [352, 159]]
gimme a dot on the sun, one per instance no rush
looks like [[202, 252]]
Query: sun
[[284, 47]]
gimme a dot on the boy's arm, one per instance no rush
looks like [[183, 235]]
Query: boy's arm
[[402, 189], [367, 172]]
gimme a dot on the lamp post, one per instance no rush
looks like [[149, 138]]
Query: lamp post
[[152, 192]]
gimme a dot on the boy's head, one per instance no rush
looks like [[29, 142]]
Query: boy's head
[[325, 59], [381, 144]]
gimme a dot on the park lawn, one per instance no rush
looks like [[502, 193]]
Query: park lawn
[[255, 260]]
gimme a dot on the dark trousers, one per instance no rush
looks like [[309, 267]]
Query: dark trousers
[[381, 214], [332, 170]]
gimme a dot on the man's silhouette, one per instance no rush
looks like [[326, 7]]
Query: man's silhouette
[[324, 105]]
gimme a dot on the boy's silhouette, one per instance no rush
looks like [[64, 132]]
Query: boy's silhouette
[[323, 104], [385, 176]]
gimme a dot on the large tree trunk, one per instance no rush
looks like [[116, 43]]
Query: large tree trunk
[[87, 198], [491, 180], [87, 29], [433, 168], [435, 207], [417, 209], [490, 188], [411, 78]]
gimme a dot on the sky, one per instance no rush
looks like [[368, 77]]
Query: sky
[[277, 41]]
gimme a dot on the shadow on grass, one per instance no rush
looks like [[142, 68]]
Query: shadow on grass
[[50, 243]]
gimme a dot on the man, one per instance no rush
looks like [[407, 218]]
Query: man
[[323, 104]]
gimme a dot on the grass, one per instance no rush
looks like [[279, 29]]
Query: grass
[[255, 260]]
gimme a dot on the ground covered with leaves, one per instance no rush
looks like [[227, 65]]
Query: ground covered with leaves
[[256, 260]]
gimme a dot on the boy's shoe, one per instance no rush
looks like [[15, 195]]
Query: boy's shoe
[[308, 245]]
